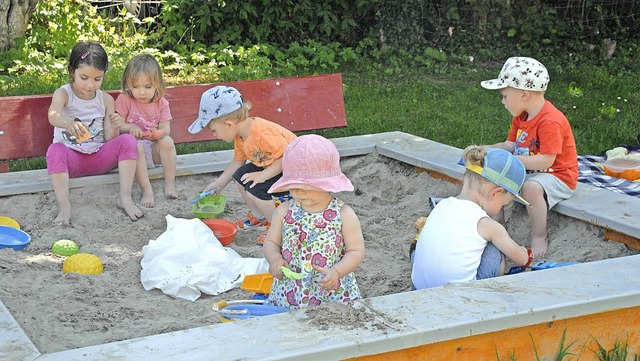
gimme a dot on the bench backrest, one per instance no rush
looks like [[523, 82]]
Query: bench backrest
[[302, 103]]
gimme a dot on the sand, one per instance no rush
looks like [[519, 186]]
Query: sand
[[61, 311]]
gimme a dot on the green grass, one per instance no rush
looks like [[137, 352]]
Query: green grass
[[455, 110]]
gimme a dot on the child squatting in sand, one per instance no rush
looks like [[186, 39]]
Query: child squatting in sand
[[256, 140], [460, 242], [315, 234]]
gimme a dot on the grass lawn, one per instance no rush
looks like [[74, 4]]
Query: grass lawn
[[455, 110]]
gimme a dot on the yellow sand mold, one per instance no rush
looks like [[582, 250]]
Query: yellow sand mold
[[83, 263]]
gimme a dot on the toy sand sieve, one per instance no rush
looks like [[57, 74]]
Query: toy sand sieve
[[210, 206]]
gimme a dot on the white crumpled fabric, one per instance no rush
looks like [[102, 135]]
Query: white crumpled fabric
[[188, 259]]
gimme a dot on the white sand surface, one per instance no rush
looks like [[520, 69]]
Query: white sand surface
[[61, 311]]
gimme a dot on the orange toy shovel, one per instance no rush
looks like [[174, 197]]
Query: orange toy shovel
[[154, 134]]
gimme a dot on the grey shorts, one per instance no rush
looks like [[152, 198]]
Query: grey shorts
[[555, 190]]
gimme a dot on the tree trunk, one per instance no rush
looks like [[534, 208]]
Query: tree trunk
[[14, 17]]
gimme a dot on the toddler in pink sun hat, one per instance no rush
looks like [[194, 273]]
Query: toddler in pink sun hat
[[315, 233]]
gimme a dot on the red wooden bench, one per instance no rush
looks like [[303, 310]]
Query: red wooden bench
[[302, 103]]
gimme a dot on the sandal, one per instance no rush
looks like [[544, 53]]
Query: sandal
[[262, 237], [251, 221]]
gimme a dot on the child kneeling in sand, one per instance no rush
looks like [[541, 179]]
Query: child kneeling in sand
[[315, 233], [460, 242]]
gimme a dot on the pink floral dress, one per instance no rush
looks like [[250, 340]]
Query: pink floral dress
[[308, 239]]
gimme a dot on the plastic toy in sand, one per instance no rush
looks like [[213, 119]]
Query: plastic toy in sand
[[64, 247], [243, 309], [83, 263]]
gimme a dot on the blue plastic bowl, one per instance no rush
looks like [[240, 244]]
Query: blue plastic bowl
[[13, 238]]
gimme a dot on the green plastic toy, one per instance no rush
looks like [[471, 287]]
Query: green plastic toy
[[290, 274], [64, 247]]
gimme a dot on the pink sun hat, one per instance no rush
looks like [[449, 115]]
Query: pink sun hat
[[312, 162]]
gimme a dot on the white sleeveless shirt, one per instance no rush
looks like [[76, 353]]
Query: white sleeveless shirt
[[449, 247], [91, 113]]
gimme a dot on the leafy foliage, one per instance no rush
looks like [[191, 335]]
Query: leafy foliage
[[281, 22]]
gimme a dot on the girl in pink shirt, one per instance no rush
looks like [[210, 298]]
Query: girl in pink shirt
[[147, 117]]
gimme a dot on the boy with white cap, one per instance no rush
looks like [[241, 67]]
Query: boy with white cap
[[256, 140], [541, 137]]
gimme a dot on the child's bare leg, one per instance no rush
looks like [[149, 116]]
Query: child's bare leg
[[167, 152], [60, 182], [534, 193], [250, 201], [126, 171], [266, 207], [142, 176]]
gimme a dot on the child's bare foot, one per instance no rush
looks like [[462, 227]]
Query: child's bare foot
[[148, 200], [132, 211], [170, 191], [64, 215], [539, 247]]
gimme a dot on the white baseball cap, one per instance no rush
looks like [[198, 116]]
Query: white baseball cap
[[214, 103], [520, 73]]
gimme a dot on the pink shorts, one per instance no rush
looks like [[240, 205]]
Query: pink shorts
[[61, 159]]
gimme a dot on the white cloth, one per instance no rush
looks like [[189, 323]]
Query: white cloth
[[188, 259], [449, 247]]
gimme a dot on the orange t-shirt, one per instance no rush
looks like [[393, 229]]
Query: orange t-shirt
[[548, 132], [265, 143]]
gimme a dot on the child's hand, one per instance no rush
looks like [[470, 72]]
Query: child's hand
[[212, 186], [116, 120], [136, 132], [255, 177], [330, 279], [274, 268]]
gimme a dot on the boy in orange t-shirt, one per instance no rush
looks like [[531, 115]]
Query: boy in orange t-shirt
[[256, 140], [541, 137]]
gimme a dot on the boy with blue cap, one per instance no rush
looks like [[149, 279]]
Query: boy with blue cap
[[460, 241], [258, 148], [541, 137]]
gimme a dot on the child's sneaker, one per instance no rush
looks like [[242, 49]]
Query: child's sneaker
[[251, 221]]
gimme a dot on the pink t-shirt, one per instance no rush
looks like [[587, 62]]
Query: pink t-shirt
[[147, 116]]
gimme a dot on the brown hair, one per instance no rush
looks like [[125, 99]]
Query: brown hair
[[90, 53], [143, 64]]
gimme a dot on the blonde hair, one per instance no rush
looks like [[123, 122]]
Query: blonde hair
[[238, 115], [474, 155], [143, 64]]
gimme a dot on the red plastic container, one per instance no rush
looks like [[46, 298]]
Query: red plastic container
[[225, 231]]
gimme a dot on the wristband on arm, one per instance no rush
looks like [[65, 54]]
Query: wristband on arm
[[530, 254]]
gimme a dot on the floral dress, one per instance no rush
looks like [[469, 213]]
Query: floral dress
[[308, 239]]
